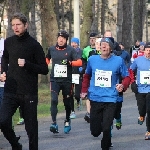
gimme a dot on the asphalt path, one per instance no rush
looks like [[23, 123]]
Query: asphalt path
[[130, 137]]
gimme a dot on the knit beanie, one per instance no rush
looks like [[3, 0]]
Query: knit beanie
[[63, 33], [76, 40], [142, 44], [109, 41]]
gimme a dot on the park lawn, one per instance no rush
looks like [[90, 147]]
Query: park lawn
[[43, 103]]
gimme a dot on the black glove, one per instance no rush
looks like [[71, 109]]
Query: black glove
[[65, 62], [134, 87]]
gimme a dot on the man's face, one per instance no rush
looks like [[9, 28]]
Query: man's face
[[18, 27], [92, 41], [74, 45], [147, 52], [121, 46], [105, 49], [137, 43], [108, 34], [61, 41], [142, 47]]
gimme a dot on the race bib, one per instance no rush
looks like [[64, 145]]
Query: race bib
[[60, 70], [103, 78], [145, 77], [75, 78]]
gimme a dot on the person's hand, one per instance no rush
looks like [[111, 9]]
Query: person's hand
[[21, 62], [119, 87], [3, 77], [83, 95]]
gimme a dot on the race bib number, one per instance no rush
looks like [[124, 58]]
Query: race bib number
[[60, 70], [145, 77], [75, 78], [103, 78]]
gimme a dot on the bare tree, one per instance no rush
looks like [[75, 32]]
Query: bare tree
[[119, 20], [2, 7], [127, 24], [49, 26], [12, 7], [104, 4], [32, 27], [139, 18], [87, 22], [56, 8]]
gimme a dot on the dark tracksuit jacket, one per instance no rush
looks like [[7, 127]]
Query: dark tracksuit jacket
[[21, 86]]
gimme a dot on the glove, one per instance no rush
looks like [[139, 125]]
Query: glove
[[65, 62], [134, 87], [80, 69]]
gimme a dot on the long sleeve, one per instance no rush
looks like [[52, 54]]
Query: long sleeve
[[85, 83], [126, 82]]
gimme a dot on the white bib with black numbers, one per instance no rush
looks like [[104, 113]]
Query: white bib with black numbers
[[75, 78], [60, 70], [103, 78], [145, 77]]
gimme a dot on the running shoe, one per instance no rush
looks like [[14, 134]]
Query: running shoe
[[67, 126], [54, 128], [73, 115], [21, 121], [147, 135], [140, 120], [87, 117], [118, 124]]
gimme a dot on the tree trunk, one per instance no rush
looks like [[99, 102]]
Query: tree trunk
[[103, 12], [56, 8], [32, 27], [49, 27], [62, 15], [25, 8], [127, 24], [12, 7], [70, 22], [119, 21], [139, 12], [87, 22], [93, 17]]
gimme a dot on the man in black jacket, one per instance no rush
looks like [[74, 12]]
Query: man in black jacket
[[26, 60]]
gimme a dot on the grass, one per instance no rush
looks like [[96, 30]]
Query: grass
[[43, 103]]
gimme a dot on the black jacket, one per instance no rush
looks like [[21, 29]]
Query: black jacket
[[23, 80]]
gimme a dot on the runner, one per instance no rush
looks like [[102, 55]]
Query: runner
[[101, 86], [85, 56], [63, 57], [142, 65], [76, 78]]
